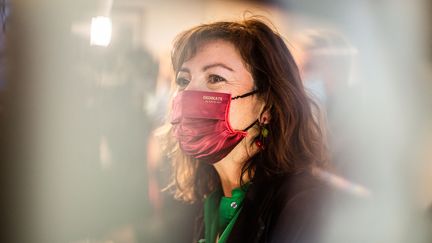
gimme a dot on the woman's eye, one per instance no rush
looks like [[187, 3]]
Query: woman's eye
[[213, 78], [182, 82]]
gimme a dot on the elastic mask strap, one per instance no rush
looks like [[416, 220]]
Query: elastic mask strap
[[251, 125], [245, 95]]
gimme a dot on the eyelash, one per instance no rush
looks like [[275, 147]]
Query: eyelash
[[212, 79], [214, 76], [182, 82]]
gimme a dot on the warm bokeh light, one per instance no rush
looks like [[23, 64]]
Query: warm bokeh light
[[101, 29]]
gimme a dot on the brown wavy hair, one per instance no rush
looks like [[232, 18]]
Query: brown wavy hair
[[295, 141]]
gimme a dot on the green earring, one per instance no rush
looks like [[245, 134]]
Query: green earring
[[259, 142]]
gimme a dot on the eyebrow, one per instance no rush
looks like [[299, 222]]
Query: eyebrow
[[217, 65], [208, 67]]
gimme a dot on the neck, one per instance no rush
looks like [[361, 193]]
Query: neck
[[229, 168], [229, 174]]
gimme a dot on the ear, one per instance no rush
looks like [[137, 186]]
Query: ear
[[265, 115]]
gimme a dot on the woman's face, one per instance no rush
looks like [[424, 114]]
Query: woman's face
[[218, 67]]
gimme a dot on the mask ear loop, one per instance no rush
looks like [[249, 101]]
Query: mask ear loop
[[251, 125], [245, 95]]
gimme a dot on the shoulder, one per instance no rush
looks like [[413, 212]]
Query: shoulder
[[279, 209], [290, 188], [296, 208], [293, 184]]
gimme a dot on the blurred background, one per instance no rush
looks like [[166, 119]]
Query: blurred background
[[84, 84]]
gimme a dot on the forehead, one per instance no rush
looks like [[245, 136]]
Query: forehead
[[215, 51]]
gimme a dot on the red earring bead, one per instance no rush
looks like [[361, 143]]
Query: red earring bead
[[259, 144]]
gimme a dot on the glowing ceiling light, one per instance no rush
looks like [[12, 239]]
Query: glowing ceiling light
[[101, 29]]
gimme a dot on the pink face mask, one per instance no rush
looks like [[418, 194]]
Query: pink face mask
[[200, 124]]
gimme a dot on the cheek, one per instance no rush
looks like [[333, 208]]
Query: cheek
[[242, 114]]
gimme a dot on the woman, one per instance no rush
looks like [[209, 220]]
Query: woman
[[244, 135]]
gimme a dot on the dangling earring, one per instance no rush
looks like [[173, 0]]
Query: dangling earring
[[259, 141]]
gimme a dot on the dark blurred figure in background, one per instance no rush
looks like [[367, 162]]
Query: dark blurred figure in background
[[7, 171]]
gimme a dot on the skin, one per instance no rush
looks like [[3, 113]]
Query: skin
[[218, 67]]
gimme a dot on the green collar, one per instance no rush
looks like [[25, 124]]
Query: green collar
[[220, 213]]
